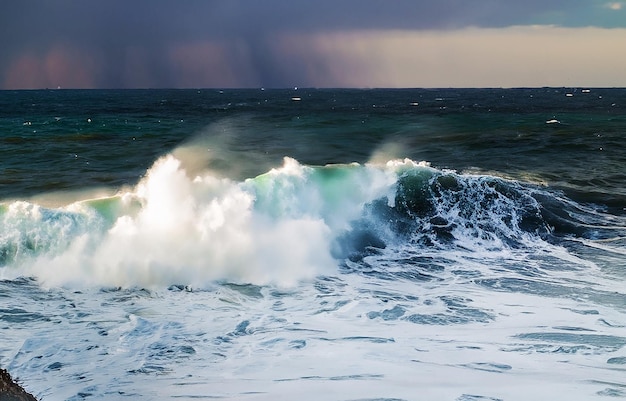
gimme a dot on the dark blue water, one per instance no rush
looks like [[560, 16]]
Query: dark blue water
[[57, 140]]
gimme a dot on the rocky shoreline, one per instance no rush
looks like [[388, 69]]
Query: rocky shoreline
[[10, 390]]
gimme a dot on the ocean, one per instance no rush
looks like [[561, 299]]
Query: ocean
[[307, 244]]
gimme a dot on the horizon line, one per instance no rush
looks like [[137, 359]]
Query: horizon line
[[296, 88]]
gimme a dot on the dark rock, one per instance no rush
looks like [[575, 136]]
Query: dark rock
[[10, 390]]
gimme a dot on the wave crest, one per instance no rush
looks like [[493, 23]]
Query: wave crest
[[290, 224]]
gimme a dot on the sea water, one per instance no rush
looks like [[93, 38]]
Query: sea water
[[438, 244]]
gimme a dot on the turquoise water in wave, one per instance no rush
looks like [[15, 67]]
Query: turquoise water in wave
[[303, 244]]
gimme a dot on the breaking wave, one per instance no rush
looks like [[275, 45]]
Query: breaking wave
[[293, 223]]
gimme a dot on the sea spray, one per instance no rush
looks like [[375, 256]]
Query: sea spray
[[190, 231], [293, 223], [176, 229]]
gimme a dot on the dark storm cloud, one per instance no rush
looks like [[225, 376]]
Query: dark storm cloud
[[115, 21], [116, 33]]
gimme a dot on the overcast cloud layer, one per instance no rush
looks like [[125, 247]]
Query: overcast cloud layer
[[273, 43]]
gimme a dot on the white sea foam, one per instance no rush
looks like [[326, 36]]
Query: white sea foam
[[190, 231], [173, 228], [335, 337], [246, 300]]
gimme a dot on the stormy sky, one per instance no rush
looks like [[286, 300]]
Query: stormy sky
[[321, 43]]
